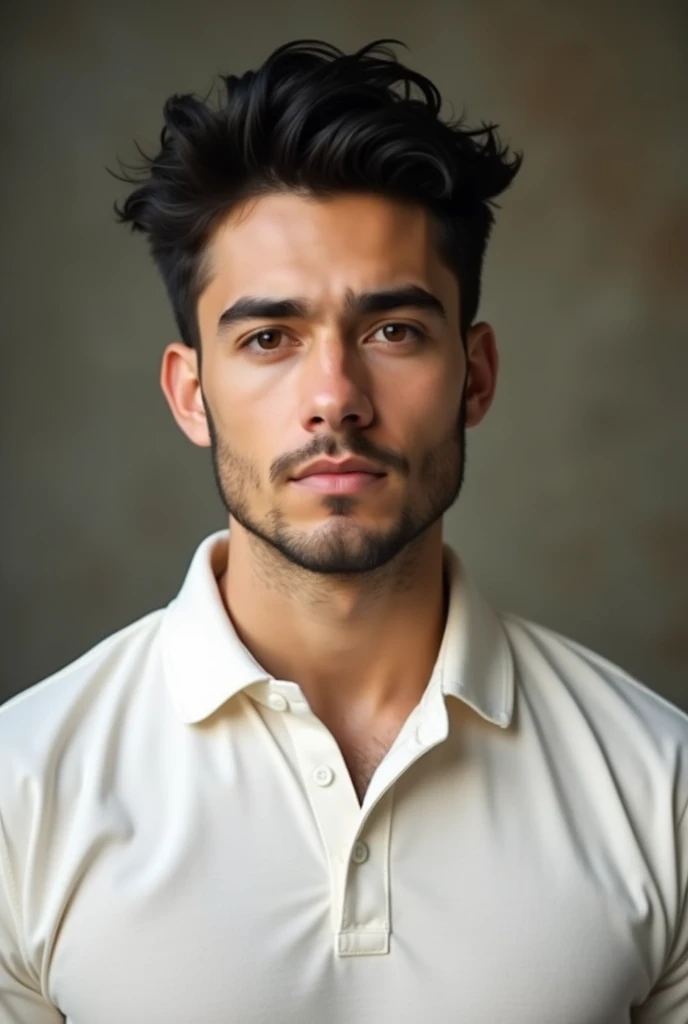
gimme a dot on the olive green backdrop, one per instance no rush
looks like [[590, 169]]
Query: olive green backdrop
[[574, 508]]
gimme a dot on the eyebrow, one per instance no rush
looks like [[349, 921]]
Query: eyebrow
[[252, 307]]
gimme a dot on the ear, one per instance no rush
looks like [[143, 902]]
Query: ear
[[482, 365], [181, 386]]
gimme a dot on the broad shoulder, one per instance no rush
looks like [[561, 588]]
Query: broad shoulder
[[574, 684], [35, 723]]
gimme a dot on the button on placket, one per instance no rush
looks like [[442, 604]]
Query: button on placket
[[323, 775], [360, 852], [338, 813], [364, 926], [277, 702]]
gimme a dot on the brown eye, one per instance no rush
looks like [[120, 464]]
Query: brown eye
[[397, 333], [265, 341]]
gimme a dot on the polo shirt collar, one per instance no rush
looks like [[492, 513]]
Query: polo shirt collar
[[205, 662], [474, 663]]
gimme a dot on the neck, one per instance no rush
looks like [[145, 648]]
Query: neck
[[368, 643]]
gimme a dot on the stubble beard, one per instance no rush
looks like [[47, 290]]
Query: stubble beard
[[342, 546]]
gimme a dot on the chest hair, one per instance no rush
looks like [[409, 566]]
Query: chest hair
[[362, 757]]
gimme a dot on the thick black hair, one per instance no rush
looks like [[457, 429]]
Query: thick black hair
[[319, 122]]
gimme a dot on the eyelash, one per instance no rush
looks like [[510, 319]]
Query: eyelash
[[419, 335]]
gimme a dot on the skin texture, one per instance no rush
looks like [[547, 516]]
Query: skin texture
[[342, 594]]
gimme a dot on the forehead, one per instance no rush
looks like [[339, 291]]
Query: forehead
[[286, 245]]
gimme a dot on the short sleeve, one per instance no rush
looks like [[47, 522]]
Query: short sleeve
[[667, 1003], [21, 1001]]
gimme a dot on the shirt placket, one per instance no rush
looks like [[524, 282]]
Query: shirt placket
[[356, 837]]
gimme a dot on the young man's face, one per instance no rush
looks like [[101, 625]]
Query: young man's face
[[335, 377]]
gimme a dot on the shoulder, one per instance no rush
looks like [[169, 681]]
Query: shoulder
[[52, 714], [60, 743], [636, 725], [541, 652]]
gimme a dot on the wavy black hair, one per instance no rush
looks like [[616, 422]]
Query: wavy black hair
[[317, 121]]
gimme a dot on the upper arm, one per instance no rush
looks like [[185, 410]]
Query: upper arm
[[21, 1000], [667, 1003]]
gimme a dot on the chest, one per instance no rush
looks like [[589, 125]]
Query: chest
[[363, 745], [362, 754], [258, 945], [221, 907]]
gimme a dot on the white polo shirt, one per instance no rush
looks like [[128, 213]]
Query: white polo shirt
[[180, 841]]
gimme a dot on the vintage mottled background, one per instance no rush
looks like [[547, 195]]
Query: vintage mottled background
[[575, 506]]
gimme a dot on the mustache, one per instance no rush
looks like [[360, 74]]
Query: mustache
[[330, 448]]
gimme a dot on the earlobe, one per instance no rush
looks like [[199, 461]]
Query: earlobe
[[181, 386]]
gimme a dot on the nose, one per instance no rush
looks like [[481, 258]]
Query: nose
[[335, 389]]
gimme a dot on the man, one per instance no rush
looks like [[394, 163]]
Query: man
[[328, 782]]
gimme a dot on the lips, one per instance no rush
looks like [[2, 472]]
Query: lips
[[325, 467], [339, 483]]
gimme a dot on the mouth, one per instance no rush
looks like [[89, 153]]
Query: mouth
[[339, 483]]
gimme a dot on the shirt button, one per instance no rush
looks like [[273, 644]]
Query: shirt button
[[277, 702], [359, 854], [323, 775]]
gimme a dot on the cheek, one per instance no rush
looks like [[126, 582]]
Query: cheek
[[250, 431], [232, 412], [429, 407]]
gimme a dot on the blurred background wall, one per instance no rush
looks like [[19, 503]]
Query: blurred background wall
[[574, 511]]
